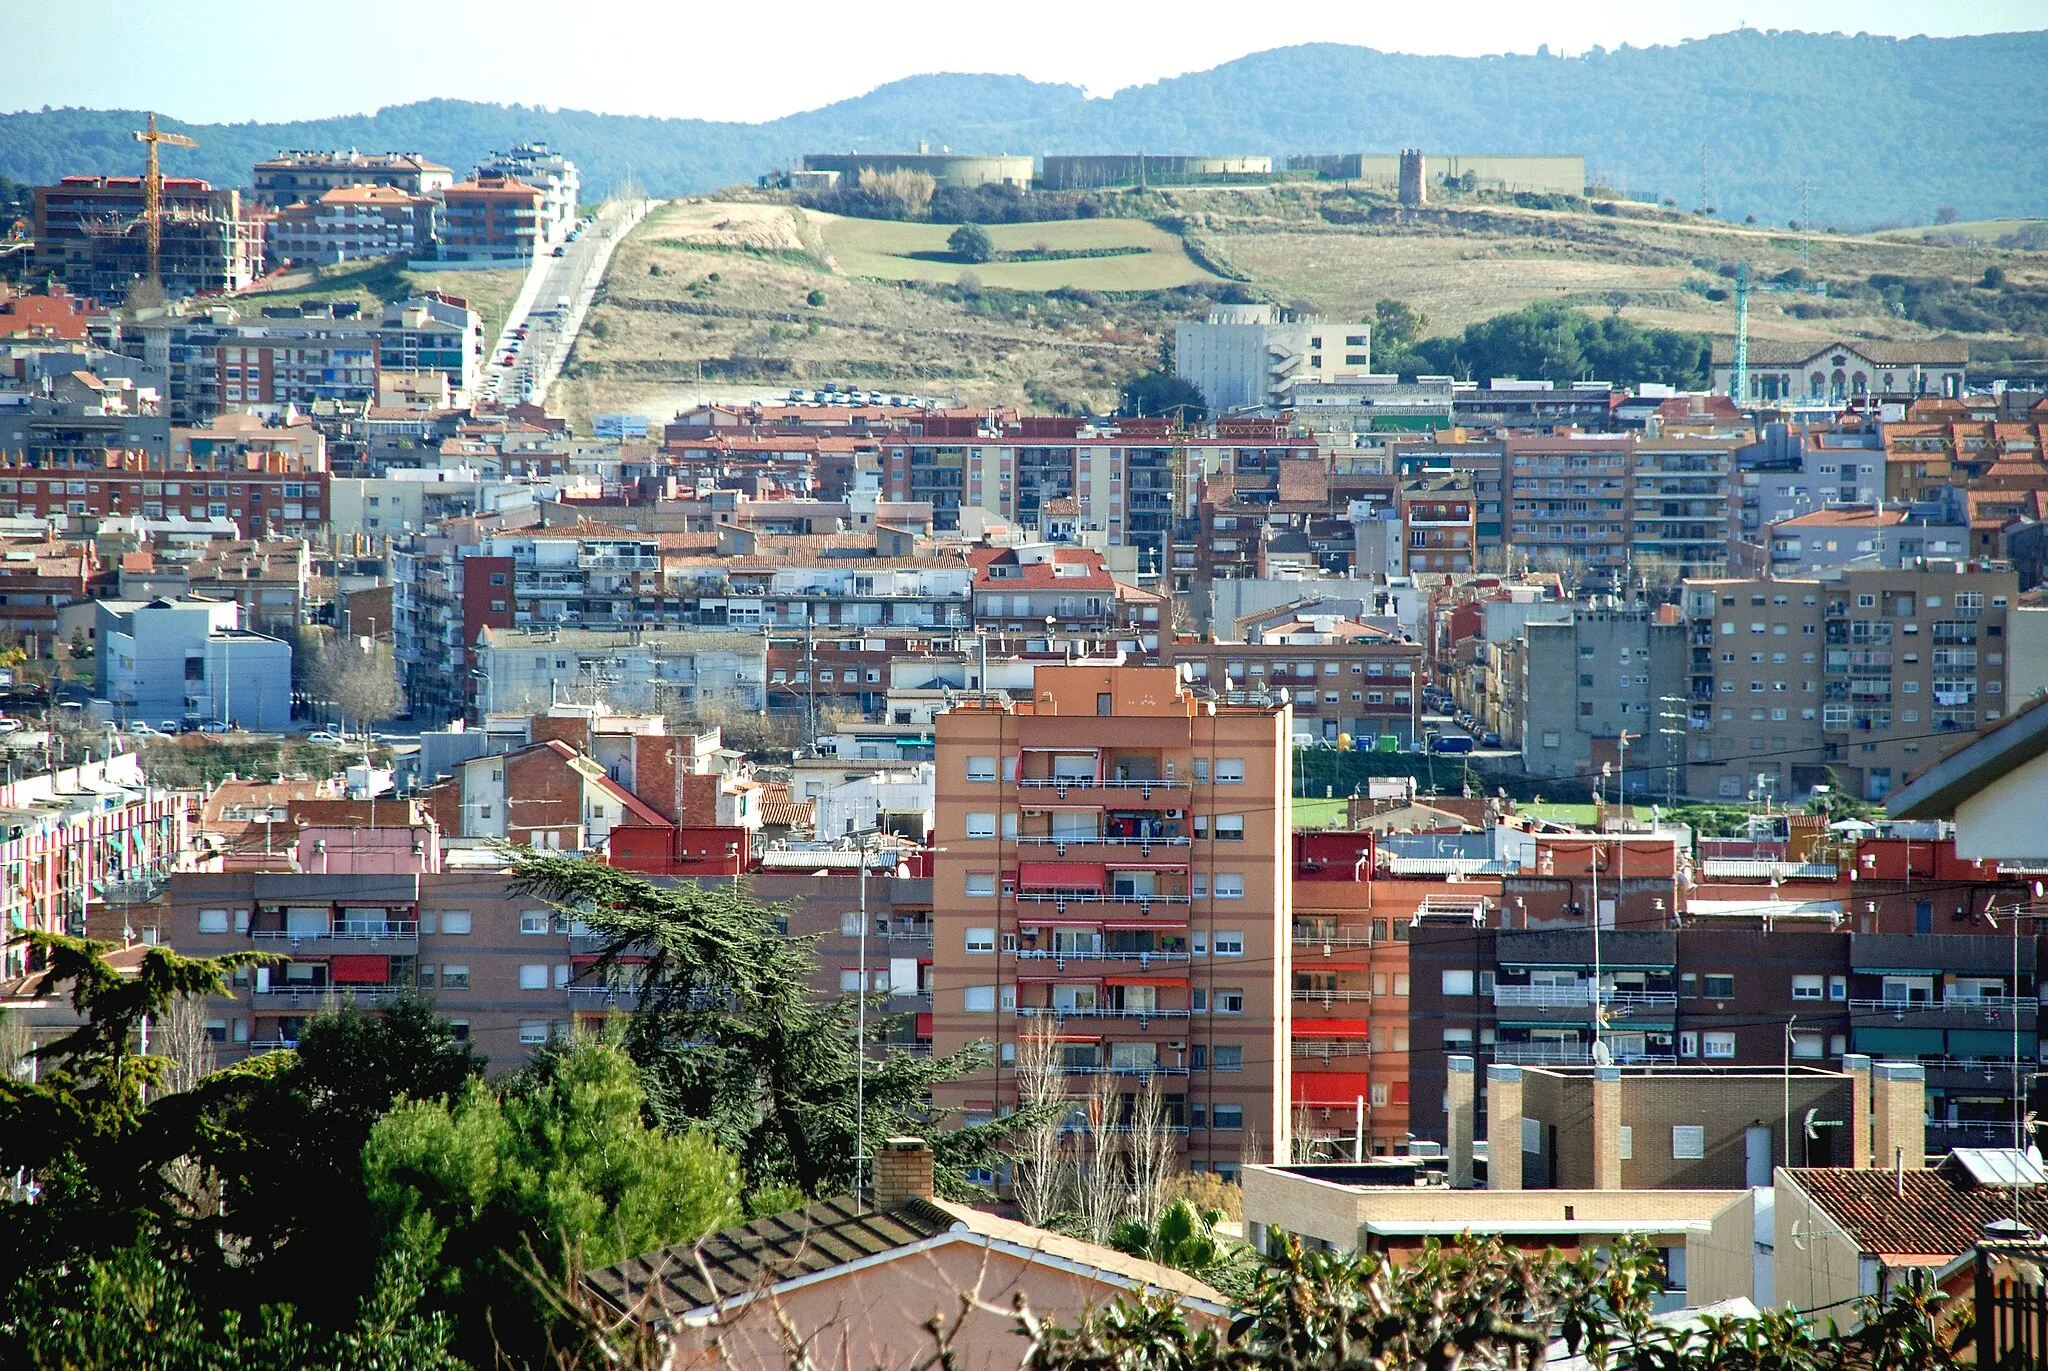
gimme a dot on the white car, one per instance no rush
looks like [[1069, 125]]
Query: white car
[[10, 726], [142, 730], [321, 735]]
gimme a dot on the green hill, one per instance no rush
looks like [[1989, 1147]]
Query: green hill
[[1882, 130]]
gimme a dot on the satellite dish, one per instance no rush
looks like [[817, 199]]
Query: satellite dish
[[1807, 1124], [1601, 1056]]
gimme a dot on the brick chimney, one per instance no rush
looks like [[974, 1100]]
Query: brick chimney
[[1856, 1067], [1898, 1108], [1460, 1110], [1607, 1128], [1503, 1127], [903, 1172]]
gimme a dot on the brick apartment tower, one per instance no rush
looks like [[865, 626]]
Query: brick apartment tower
[[1113, 859]]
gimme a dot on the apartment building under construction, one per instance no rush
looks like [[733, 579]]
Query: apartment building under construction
[[91, 235]]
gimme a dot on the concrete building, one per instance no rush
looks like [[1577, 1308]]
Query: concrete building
[[1242, 356], [1540, 174], [169, 661], [1839, 371], [1590, 678], [1865, 536], [1339, 676], [1359, 405], [1111, 868], [652, 669], [947, 169], [433, 332], [1439, 523], [556, 177], [90, 236], [492, 219], [350, 223], [1098, 170], [1853, 680], [292, 178]]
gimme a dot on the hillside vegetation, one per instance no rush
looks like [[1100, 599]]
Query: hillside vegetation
[[1882, 129], [726, 299]]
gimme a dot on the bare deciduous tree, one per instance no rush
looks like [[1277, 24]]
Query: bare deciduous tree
[[16, 1042], [1151, 1151], [179, 1036], [358, 678], [1102, 1198], [1044, 1162]]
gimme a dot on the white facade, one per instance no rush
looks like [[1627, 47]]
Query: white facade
[[636, 670], [170, 661], [1242, 356], [861, 804]]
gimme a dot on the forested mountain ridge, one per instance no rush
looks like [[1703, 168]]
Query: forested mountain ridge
[[1881, 129]]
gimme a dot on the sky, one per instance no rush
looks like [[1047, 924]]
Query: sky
[[212, 61]]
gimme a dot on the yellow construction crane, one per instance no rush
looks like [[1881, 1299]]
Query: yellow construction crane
[[153, 191]]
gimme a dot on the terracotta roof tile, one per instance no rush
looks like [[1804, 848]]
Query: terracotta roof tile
[[1924, 1213]]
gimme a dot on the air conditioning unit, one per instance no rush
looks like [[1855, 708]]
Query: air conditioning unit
[[1176, 1047], [1176, 814]]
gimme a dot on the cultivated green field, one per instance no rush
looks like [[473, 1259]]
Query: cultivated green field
[[882, 249], [1972, 231]]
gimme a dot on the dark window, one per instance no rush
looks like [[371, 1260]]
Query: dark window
[[195, 668], [1103, 703], [1198, 1056], [1720, 987], [1923, 917]]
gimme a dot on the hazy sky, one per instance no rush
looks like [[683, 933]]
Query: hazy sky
[[226, 60]]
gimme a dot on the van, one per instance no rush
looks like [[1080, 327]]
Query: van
[[1451, 743], [562, 303], [1305, 740]]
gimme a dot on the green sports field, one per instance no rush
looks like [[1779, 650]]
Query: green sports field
[[892, 251]]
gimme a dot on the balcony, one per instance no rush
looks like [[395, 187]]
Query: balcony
[[1050, 1011], [1122, 789], [318, 998], [1327, 998], [1061, 899], [1060, 845], [1543, 1054], [596, 997], [1953, 1012], [1142, 959], [1342, 942], [1579, 996], [395, 933], [1151, 1069], [1329, 1048]]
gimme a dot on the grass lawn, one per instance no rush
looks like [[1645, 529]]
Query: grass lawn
[[883, 249], [1318, 813], [374, 283], [1571, 814]]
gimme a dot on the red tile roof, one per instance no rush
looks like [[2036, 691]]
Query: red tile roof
[[1915, 1214], [1039, 575]]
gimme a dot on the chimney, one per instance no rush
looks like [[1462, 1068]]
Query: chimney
[[1898, 1112], [1607, 1128], [1503, 1127], [1459, 1109], [1857, 1067], [903, 1172]]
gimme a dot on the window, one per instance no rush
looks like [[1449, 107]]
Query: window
[[981, 940], [1807, 987], [1228, 1059], [1230, 771], [1688, 1044], [213, 921], [1718, 987], [979, 999], [1458, 982], [533, 1031], [1229, 886], [1227, 1116], [1688, 1142], [849, 924], [455, 921], [533, 976], [1230, 828], [981, 768], [1228, 1002], [1721, 1045], [455, 978], [1105, 703], [981, 883], [534, 921], [849, 978], [981, 825], [1228, 944], [1807, 1046], [1838, 987]]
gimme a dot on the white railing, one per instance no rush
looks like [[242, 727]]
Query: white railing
[[1543, 1054], [1059, 955], [315, 996], [1986, 1004], [1048, 1011], [1091, 783], [1329, 997], [395, 932], [1099, 840], [1090, 897], [1346, 940], [1578, 997]]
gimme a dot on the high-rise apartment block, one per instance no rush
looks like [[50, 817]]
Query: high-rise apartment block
[[1111, 869]]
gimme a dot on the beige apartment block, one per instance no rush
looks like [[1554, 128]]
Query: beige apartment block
[[1856, 679], [1111, 867]]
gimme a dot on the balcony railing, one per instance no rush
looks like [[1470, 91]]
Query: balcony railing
[[1986, 1004], [1064, 898], [1048, 1011], [1330, 997], [1049, 954], [1543, 1054], [598, 996], [1578, 997], [321, 996], [1098, 840], [1343, 940], [347, 935], [1152, 1069], [1090, 783], [1330, 1048]]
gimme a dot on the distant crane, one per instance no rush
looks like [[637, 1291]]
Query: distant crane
[[1738, 379], [153, 192]]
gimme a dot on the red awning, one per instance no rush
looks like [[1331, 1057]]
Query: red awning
[[1060, 876], [1078, 1038], [1330, 1028], [924, 1025], [1336, 1089], [359, 969], [1144, 980]]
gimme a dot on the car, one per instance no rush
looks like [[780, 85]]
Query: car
[[1450, 743], [1489, 739], [10, 726], [169, 726], [508, 360], [321, 735], [558, 250]]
